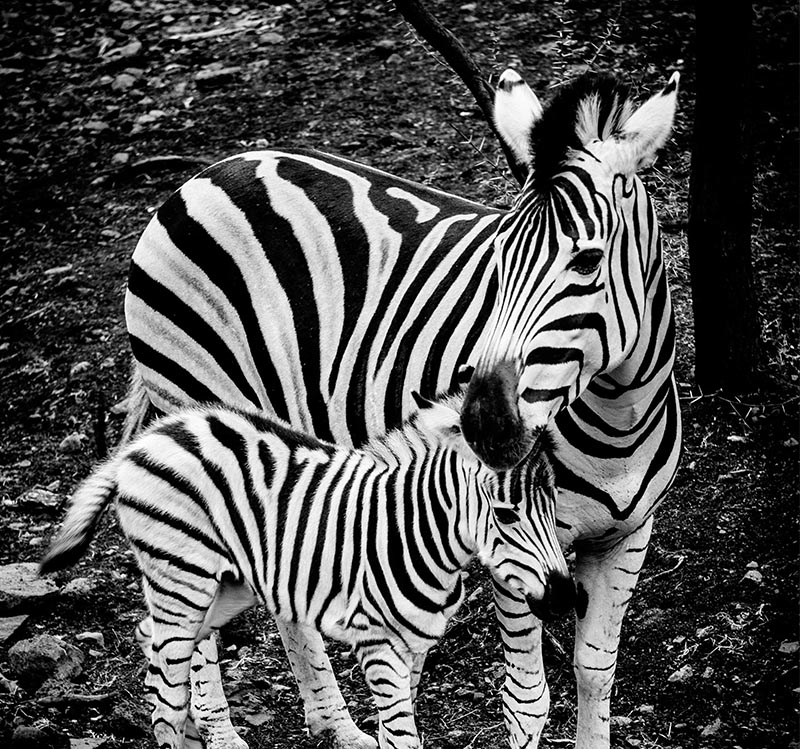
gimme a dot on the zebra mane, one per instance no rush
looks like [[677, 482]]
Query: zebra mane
[[593, 106]]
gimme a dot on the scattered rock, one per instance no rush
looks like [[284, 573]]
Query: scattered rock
[[58, 270], [79, 368], [44, 657], [123, 82], [210, 77], [120, 158], [92, 742], [789, 647], [94, 637], [79, 587], [21, 588], [712, 728], [621, 721], [73, 443], [684, 673], [753, 576], [791, 442], [271, 37], [34, 737], [394, 59], [38, 500], [260, 718], [9, 625], [126, 52]]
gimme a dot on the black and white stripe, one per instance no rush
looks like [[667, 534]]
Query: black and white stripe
[[324, 291], [226, 508]]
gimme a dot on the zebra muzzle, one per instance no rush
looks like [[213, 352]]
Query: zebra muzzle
[[491, 422], [559, 598]]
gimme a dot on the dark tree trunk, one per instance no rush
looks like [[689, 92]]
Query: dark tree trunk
[[727, 331]]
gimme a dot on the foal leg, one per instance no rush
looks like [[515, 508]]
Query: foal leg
[[605, 581], [325, 709], [526, 696], [389, 677], [144, 636]]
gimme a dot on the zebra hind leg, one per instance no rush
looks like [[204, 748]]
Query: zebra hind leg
[[325, 709], [605, 581], [526, 696], [144, 636]]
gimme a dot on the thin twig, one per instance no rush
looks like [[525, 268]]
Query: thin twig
[[681, 560]]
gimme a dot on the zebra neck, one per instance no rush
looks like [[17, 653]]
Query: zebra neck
[[423, 522], [643, 381]]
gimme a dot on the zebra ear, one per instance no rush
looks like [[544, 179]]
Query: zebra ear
[[516, 109], [645, 131]]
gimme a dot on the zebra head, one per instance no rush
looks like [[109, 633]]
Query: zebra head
[[574, 256], [513, 520]]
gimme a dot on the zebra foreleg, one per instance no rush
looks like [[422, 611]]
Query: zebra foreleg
[[526, 696], [325, 709], [605, 581], [389, 675]]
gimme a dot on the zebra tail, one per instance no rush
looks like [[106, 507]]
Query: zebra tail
[[139, 407], [85, 508]]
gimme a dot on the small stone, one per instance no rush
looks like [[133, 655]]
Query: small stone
[[789, 647], [21, 588], [96, 126], [126, 52], [712, 728], [394, 59], [791, 442], [684, 673], [260, 718], [36, 737], [73, 443], [79, 368], [93, 637], [120, 158], [752, 565], [78, 587], [44, 657], [9, 625], [58, 270], [123, 82], [754, 576], [39, 499], [108, 363], [91, 742], [214, 76], [271, 37], [621, 721]]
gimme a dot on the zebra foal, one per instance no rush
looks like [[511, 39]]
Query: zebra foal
[[226, 508]]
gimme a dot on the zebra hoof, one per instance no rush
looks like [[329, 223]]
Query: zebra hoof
[[350, 737]]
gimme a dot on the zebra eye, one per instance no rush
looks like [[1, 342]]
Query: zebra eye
[[506, 515], [586, 261]]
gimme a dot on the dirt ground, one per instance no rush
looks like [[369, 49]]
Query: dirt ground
[[96, 94]]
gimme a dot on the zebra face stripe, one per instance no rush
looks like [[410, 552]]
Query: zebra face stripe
[[571, 278]]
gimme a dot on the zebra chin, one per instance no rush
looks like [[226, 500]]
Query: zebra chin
[[559, 598], [491, 421]]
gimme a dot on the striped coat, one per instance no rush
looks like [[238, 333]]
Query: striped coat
[[226, 508]]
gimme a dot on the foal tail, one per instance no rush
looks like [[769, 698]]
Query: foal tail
[[85, 508]]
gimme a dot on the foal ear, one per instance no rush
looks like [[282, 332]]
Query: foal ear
[[516, 109], [645, 131], [443, 422]]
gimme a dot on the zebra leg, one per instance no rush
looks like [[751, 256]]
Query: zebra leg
[[607, 580], [325, 709], [209, 705], [389, 676], [526, 696], [417, 664], [144, 636], [168, 678]]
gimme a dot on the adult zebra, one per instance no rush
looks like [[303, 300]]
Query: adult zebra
[[324, 291]]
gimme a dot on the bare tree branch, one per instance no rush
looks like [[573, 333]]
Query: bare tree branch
[[462, 63]]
